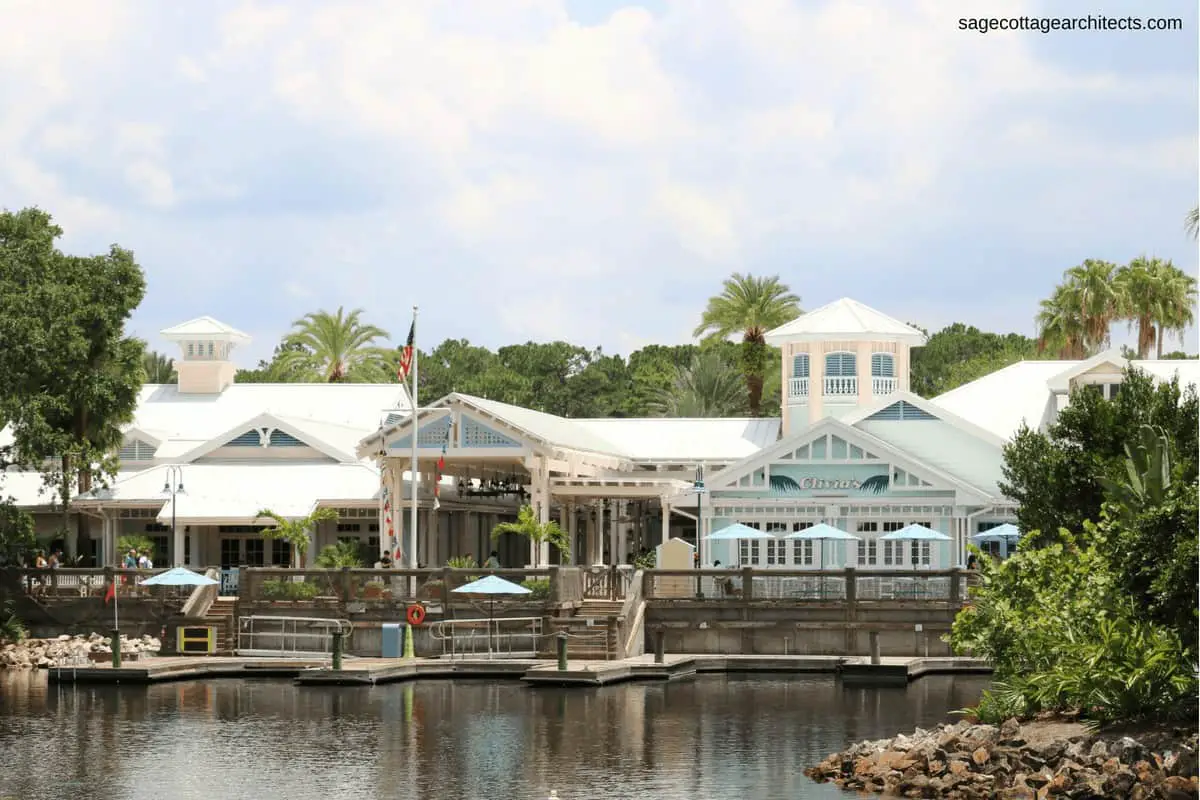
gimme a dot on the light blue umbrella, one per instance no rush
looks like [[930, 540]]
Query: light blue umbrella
[[916, 533], [1004, 532], [822, 532], [737, 531], [491, 586], [179, 576]]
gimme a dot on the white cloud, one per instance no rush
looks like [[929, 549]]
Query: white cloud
[[523, 175]]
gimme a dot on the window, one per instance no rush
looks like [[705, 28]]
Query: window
[[776, 549], [1113, 390], [748, 553], [892, 553], [925, 553], [349, 527], [161, 552], [231, 553], [254, 552], [802, 552], [281, 553], [840, 365], [800, 366], [867, 548], [210, 349], [882, 365], [191, 350]]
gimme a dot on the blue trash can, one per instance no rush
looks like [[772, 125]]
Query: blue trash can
[[393, 640]]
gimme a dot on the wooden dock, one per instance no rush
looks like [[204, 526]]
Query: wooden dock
[[890, 671]]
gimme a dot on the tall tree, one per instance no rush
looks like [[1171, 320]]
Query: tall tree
[[159, 368], [336, 348], [72, 375], [1177, 307], [708, 387], [296, 532], [1061, 327], [1157, 297], [750, 306], [1058, 476], [960, 353], [1091, 287], [1193, 222]]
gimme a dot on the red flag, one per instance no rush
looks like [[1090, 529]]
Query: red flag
[[110, 593], [406, 354]]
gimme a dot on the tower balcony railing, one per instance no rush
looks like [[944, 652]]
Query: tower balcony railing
[[841, 386], [883, 385], [798, 387]]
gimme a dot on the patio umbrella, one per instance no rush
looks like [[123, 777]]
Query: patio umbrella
[[1005, 532], [179, 576], [491, 587], [737, 532], [916, 533], [823, 533]]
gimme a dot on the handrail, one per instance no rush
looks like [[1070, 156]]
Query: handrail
[[202, 597], [632, 611]]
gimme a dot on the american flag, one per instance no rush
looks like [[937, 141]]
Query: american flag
[[406, 354]]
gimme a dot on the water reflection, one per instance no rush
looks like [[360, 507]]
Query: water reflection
[[719, 737]]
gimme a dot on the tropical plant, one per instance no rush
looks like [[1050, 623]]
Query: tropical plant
[[750, 306], [12, 629], [1092, 289], [1192, 222], [296, 532], [1147, 473], [346, 553], [17, 538], [1157, 297], [135, 541], [539, 588], [708, 387], [461, 562], [335, 348], [289, 590], [159, 368], [529, 527], [1177, 303], [1060, 325]]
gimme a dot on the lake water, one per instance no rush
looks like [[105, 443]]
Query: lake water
[[739, 737]]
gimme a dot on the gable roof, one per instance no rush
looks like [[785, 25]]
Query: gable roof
[[942, 413], [845, 320], [884, 450], [310, 437], [1061, 382], [204, 327]]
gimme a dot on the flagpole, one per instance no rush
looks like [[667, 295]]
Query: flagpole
[[384, 541], [412, 531]]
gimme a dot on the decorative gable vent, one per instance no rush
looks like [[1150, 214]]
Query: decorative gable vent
[[393, 418], [250, 438], [137, 450], [282, 439], [901, 411]]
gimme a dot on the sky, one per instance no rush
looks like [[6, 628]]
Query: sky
[[591, 170]]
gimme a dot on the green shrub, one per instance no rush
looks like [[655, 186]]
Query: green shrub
[[289, 590], [11, 627], [539, 588]]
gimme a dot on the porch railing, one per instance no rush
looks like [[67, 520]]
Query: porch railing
[[797, 387], [841, 387], [606, 583], [836, 586], [881, 386]]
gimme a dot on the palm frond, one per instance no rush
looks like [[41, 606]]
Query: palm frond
[[876, 484], [784, 485]]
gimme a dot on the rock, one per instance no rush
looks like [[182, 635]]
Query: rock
[[1009, 728], [1183, 763], [1099, 750], [1128, 750], [1177, 787], [980, 756]]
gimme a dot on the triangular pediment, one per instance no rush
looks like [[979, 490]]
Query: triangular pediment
[[454, 424], [832, 454], [266, 432]]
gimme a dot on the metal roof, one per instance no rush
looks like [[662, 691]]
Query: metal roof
[[845, 320]]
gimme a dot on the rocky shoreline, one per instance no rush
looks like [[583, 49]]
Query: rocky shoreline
[[64, 651], [1033, 759]]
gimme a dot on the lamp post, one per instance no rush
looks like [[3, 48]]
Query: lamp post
[[698, 488], [171, 488]]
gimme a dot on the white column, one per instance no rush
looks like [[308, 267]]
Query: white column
[[593, 534], [544, 500], [666, 518], [572, 529], [622, 532], [614, 556]]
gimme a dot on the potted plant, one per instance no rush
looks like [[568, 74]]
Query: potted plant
[[373, 590]]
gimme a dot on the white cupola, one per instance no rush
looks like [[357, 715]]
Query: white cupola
[[839, 357], [205, 345]]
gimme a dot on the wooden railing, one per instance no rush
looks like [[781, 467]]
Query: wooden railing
[[67, 583], [780, 585], [606, 583]]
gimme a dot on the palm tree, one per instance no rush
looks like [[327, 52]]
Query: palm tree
[[346, 553], [335, 348], [296, 532], [751, 306], [1138, 289], [1060, 325], [527, 525], [708, 387], [1193, 222], [159, 368], [1096, 298], [1177, 302]]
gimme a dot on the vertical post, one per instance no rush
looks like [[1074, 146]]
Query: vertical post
[[337, 650], [955, 588], [413, 477], [660, 646], [562, 651], [747, 583], [873, 646], [116, 649]]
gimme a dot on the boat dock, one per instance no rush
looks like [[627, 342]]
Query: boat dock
[[372, 671]]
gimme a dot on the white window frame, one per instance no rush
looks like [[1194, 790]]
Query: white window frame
[[868, 553]]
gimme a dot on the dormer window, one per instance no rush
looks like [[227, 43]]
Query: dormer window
[[210, 349], [191, 350]]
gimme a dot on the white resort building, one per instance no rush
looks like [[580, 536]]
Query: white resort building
[[852, 447]]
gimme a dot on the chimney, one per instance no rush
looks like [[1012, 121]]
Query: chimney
[[205, 344]]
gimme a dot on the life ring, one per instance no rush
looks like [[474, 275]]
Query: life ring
[[415, 614]]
